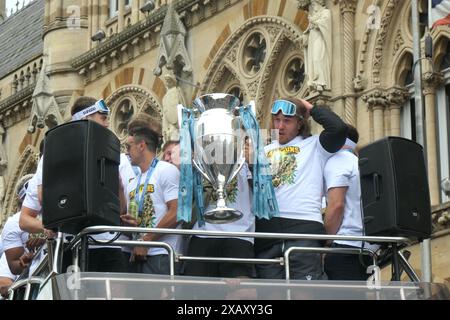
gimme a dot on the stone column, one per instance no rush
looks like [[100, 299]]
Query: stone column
[[378, 121], [141, 16], [387, 121], [377, 102], [103, 14], [120, 17], [431, 81], [134, 11], [89, 23], [348, 8], [396, 98], [84, 8], [46, 13], [95, 17]]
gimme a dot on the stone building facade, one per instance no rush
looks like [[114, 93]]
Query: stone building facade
[[253, 49]]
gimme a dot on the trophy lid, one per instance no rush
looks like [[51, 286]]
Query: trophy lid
[[215, 101]]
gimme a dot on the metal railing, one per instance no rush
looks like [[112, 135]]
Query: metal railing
[[54, 259]]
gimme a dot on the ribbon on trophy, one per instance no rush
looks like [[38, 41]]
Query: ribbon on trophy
[[191, 187], [265, 205]]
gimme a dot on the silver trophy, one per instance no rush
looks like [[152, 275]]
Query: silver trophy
[[218, 148]]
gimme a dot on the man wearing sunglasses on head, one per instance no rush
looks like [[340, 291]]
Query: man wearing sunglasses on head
[[297, 161]]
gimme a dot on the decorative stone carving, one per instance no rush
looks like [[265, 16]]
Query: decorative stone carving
[[359, 83], [273, 31], [398, 42], [375, 98], [432, 80], [232, 54], [303, 4], [319, 99], [172, 51], [397, 96], [440, 219], [289, 31], [317, 46], [379, 42], [237, 92], [170, 101], [45, 110], [347, 6], [294, 75], [253, 88], [254, 53], [123, 114], [140, 100]]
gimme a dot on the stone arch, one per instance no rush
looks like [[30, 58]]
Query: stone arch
[[281, 36], [440, 47], [27, 163], [140, 100], [401, 66]]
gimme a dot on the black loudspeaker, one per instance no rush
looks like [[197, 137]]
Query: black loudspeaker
[[80, 177], [394, 189]]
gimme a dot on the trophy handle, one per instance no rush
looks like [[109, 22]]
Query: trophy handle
[[200, 169], [236, 172]]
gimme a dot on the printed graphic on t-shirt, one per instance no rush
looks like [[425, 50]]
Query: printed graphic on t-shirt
[[283, 164], [230, 191], [146, 218]]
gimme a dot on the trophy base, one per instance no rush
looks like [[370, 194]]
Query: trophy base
[[222, 215]]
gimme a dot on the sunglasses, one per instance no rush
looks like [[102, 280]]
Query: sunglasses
[[101, 106], [286, 107]]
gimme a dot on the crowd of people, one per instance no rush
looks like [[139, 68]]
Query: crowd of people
[[308, 171]]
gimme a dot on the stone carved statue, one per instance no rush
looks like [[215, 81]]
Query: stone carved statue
[[171, 99], [317, 44]]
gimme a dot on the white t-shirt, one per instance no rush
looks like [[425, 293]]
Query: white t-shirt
[[126, 171], [12, 235], [4, 269], [1, 247], [238, 197], [341, 170], [31, 198], [162, 188], [297, 169]]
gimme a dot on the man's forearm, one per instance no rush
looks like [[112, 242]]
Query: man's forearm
[[15, 267], [29, 222], [333, 219]]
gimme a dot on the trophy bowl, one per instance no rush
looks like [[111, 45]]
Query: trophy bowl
[[218, 149]]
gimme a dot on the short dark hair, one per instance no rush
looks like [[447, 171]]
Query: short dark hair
[[169, 143], [140, 128], [82, 103], [352, 133]]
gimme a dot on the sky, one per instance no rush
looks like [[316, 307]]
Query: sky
[[12, 4]]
